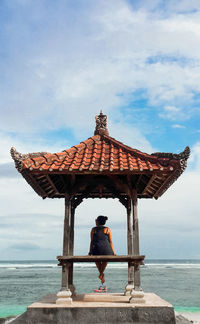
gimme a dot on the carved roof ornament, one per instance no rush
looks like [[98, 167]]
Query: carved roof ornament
[[183, 157], [18, 157], [101, 124]]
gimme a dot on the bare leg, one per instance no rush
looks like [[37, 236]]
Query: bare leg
[[103, 267], [98, 264]]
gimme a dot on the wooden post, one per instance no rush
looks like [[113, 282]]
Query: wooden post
[[71, 235], [136, 249], [66, 231], [136, 293], [130, 286], [64, 296], [65, 276], [71, 250]]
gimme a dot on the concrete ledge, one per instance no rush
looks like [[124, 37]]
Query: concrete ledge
[[99, 309], [99, 299]]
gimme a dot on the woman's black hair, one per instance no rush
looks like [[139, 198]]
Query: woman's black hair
[[102, 219]]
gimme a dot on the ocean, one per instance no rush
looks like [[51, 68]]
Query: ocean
[[23, 282]]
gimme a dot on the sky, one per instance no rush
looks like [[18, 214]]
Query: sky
[[63, 61]]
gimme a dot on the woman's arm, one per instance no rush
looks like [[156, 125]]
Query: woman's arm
[[91, 241], [108, 232]]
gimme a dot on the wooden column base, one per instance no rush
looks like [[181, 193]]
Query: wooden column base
[[64, 297], [129, 287], [137, 297]]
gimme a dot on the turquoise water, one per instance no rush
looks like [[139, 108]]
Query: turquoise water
[[180, 309], [23, 282]]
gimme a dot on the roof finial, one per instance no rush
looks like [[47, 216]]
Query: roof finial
[[101, 124]]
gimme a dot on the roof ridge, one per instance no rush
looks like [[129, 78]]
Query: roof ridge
[[83, 144], [129, 148]]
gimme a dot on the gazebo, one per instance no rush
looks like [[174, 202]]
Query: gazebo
[[100, 167]]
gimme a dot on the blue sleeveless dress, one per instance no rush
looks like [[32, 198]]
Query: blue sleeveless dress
[[101, 244]]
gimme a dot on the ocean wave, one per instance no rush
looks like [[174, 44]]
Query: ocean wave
[[173, 265], [27, 266], [54, 265], [145, 266]]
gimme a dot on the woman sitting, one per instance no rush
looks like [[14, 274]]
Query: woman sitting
[[101, 244]]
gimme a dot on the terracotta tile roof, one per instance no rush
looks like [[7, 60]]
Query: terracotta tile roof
[[97, 158], [99, 153]]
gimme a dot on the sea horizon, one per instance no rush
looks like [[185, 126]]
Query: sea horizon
[[148, 259]]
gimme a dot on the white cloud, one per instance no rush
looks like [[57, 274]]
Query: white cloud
[[195, 157], [177, 126], [171, 112], [174, 113], [131, 137], [63, 80], [31, 143]]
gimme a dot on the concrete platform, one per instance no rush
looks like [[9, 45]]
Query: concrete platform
[[97, 308]]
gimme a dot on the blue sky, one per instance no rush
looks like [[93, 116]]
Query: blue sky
[[60, 63]]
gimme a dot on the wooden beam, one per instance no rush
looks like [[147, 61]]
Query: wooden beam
[[100, 189], [80, 185], [156, 195], [88, 189], [77, 201], [61, 176], [47, 186], [116, 193], [149, 183], [40, 177], [40, 190], [137, 182], [52, 184], [109, 258], [119, 184], [73, 179]]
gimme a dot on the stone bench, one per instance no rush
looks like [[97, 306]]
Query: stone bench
[[130, 259]]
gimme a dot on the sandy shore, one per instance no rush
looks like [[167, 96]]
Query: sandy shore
[[191, 317]]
